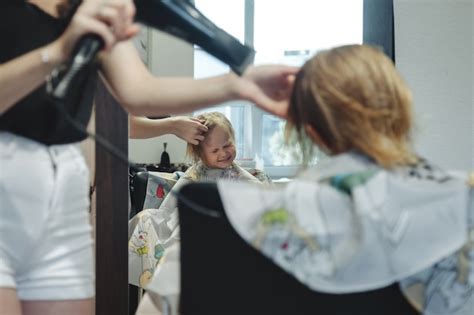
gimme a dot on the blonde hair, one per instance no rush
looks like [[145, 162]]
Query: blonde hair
[[355, 99], [210, 120]]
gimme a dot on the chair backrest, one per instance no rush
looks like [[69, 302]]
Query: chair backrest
[[222, 274], [138, 183]]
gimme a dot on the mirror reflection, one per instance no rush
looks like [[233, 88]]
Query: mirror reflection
[[257, 139]]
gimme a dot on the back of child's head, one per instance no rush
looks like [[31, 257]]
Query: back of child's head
[[354, 99], [210, 120]]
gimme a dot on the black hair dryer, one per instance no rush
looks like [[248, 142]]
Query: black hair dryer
[[179, 18]]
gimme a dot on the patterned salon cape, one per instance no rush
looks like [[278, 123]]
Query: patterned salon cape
[[155, 229], [348, 225]]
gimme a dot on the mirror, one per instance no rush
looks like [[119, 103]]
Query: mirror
[[259, 136]]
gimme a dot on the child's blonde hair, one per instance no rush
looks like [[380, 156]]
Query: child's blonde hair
[[210, 120], [355, 99]]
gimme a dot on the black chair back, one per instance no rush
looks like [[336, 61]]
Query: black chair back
[[222, 274], [138, 184]]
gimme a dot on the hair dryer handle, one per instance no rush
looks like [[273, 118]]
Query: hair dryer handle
[[64, 78]]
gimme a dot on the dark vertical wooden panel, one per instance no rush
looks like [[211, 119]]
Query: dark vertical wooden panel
[[112, 208], [379, 25]]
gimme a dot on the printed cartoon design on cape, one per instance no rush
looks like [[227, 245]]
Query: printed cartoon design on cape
[[156, 190], [348, 217], [278, 232], [145, 250], [160, 192]]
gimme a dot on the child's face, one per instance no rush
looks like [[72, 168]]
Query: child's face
[[218, 149]]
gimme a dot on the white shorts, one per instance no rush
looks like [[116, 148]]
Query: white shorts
[[45, 231]]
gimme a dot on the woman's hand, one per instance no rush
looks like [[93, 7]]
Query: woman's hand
[[189, 129], [269, 87], [112, 20]]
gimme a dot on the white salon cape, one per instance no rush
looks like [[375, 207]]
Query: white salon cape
[[348, 225]]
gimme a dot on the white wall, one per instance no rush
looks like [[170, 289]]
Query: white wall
[[434, 52], [169, 57]]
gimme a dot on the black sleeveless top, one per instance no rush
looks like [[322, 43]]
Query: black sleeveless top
[[25, 27]]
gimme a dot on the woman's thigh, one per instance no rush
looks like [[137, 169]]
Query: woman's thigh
[[72, 307], [9, 304]]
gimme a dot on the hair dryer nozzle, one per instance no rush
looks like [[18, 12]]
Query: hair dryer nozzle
[[181, 19]]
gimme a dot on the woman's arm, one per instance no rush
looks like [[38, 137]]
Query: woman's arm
[[142, 94], [22, 75], [189, 129]]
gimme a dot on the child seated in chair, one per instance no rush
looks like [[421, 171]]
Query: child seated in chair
[[213, 158], [157, 229], [374, 213]]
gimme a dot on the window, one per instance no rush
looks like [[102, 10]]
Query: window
[[287, 32]]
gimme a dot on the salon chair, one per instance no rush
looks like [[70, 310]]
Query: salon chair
[[222, 274]]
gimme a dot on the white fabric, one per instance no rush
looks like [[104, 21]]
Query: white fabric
[[165, 286], [348, 226], [150, 304], [45, 231]]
